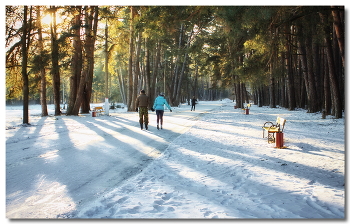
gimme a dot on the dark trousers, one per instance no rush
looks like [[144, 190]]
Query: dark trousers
[[193, 106], [160, 114], [143, 114]]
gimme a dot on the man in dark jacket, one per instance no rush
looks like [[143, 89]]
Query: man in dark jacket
[[193, 102], [142, 102]]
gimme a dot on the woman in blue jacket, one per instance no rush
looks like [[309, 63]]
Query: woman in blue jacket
[[158, 105]]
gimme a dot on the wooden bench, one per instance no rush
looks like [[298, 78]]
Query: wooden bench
[[244, 109], [98, 110], [272, 128]]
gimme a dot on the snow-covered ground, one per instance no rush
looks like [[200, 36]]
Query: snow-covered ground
[[211, 163]]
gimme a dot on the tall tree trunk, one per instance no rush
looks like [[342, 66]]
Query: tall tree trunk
[[156, 72], [122, 85], [24, 67], [131, 52], [55, 65], [241, 94], [338, 21], [80, 92], [327, 91], [312, 97], [260, 98], [239, 99], [272, 89], [76, 63], [290, 77], [195, 85], [178, 90], [137, 73], [303, 86], [106, 61], [148, 73], [318, 78], [176, 68], [42, 69], [245, 96], [91, 33], [304, 65], [336, 100], [273, 57]]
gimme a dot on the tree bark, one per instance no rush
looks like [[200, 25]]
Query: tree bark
[[55, 64], [318, 78], [338, 22], [122, 85], [304, 65], [312, 97], [336, 100], [131, 52], [148, 73], [272, 90], [91, 32], [42, 69], [178, 90], [137, 73], [106, 54], [260, 96], [326, 90], [77, 63], [24, 67], [157, 71], [176, 68], [290, 77], [79, 98]]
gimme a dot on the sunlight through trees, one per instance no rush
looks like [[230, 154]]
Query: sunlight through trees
[[288, 56]]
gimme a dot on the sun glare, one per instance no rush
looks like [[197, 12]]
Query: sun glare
[[47, 19]]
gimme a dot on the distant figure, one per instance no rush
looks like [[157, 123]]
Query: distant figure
[[142, 102], [193, 103], [158, 105]]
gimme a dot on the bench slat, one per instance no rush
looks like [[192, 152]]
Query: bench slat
[[271, 129], [98, 110]]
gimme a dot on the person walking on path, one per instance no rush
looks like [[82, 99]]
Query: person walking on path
[[158, 105], [142, 102], [193, 102]]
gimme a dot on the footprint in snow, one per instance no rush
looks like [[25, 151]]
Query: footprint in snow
[[159, 202], [134, 210], [167, 196], [122, 200], [159, 208]]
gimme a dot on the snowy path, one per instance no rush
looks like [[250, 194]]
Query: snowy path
[[58, 164], [212, 163]]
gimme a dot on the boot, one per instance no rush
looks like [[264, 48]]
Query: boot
[[158, 126], [146, 126], [141, 126]]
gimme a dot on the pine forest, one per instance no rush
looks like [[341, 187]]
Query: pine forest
[[287, 56]]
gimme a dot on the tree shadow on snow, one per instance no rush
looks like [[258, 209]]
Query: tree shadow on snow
[[88, 161], [247, 193]]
